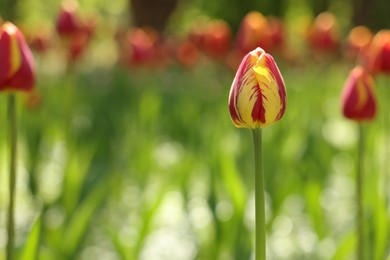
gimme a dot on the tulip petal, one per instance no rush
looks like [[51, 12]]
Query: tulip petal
[[273, 90], [10, 55], [24, 78], [244, 93]]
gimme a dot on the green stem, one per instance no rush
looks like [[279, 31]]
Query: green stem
[[386, 122], [12, 176], [359, 196], [260, 242]]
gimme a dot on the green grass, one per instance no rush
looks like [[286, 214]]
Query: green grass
[[146, 164]]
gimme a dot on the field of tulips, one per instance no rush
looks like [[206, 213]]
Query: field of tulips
[[122, 143]]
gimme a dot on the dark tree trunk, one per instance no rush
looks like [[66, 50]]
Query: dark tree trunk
[[153, 13], [372, 13], [362, 10]]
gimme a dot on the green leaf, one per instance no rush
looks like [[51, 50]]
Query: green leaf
[[31, 247], [81, 219]]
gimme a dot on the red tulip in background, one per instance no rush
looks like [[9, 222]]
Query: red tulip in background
[[76, 33], [379, 54], [138, 47], [323, 34], [254, 32], [277, 33], [17, 67], [217, 38], [187, 53], [358, 42], [67, 22], [358, 96], [40, 40]]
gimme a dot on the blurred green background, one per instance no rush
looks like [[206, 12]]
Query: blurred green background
[[145, 163]]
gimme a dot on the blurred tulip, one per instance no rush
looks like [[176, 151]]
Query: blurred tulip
[[323, 34], [254, 32], [358, 42], [39, 41], [217, 38], [187, 53], [258, 95], [138, 47], [75, 32], [277, 33], [17, 67], [197, 33], [78, 44], [67, 21], [378, 60], [358, 96]]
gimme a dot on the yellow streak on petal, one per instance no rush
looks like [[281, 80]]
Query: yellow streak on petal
[[15, 53], [269, 89], [16, 60], [362, 94], [246, 98]]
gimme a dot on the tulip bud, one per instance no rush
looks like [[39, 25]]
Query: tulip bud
[[17, 67], [358, 97], [258, 95]]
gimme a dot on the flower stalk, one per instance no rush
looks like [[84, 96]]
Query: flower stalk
[[260, 237], [360, 250], [12, 176]]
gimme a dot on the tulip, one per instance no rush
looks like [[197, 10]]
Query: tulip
[[358, 42], [138, 47], [323, 35], [257, 99], [258, 95], [358, 97], [67, 22], [17, 72], [76, 33], [187, 53], [254, 32], [217, 38], [379, 54], [17, 67], [40, 43], [277, 33]]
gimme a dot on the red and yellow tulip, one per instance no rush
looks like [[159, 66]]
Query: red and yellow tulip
[[358, 96], [258, 95], [17, 67]]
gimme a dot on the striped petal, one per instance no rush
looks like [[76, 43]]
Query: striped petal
[[258, 96]]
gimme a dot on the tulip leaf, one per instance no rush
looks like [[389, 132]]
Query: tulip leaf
[[31, 247]]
